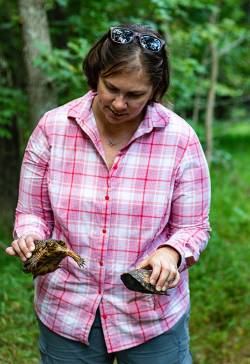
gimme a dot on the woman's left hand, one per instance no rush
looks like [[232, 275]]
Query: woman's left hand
[[164, 263]]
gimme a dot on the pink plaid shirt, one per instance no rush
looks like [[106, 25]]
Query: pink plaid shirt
[[157, 192]]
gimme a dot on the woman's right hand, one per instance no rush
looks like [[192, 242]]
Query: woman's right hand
[[23, 246]]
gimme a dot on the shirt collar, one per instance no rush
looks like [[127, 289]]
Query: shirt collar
[[81, 108], [155, 117]]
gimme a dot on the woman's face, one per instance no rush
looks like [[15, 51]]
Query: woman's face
[[121, 98]]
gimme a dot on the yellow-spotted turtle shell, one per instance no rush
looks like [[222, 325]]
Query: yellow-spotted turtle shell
[[139, 280], [47, 256]]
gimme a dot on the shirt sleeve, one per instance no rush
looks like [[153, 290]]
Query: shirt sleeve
[[189, 228], [33, 212]]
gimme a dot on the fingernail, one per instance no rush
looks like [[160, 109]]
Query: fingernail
[[28, 255], [158, 288], [32, 248], [152, 281], [164, 288]]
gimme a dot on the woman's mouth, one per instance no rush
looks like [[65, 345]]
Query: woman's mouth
[[116, 114]]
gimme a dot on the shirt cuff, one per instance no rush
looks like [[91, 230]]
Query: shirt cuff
[[22, 231], [27, 224]]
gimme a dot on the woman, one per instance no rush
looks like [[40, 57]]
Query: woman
[[124, 182]]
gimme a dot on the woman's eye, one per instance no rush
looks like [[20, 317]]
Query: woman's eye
[[135, 96], [111, 88]]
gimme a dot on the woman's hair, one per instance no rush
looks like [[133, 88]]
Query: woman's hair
[[107, 57]]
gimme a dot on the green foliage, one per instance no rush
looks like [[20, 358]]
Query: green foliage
[[13, 99], [185, 23], [18, 342], [63, 66], [188, 29], [12, 105], [220, 282]]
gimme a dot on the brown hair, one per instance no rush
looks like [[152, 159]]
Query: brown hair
[[107, 57]]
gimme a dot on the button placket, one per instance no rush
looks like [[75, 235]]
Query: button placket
[[107, 207], [104, 234]]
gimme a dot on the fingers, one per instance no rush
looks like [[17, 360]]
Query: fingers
[[168, 277], [172, 280], [175, 281], [156, 272], [143, 264], [150, 262], [10, 251], [22, 247], [30, 242], [164, 270]]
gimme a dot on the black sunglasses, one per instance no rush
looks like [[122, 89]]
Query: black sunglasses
[[124, 36]]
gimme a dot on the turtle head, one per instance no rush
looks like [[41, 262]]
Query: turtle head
[[55, 244]]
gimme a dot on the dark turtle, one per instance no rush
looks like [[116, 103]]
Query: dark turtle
[[47, 256], [138, 280]]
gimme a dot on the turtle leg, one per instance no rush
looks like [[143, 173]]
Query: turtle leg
[[80, 261]]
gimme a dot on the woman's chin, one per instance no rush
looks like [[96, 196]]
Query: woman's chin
[[112, 117]]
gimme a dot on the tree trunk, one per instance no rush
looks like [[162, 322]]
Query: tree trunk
[[212, 91], [42, 94], [197, 104], [198, 91], [211, 101], [10, 168]]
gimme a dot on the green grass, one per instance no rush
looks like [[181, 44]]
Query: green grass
[[220, 317], [18, 341], [220, 287]]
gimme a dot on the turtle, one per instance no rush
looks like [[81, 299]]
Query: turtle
[[47, 256], [138, 280]]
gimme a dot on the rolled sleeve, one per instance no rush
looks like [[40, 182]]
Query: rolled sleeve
[[33, 212], [189, 228]]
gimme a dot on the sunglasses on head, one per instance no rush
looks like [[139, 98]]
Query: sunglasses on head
[[124, 36]]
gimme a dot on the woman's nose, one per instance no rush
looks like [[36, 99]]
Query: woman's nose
[[119, 104]]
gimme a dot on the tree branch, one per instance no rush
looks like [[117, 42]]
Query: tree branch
[[232, 45]]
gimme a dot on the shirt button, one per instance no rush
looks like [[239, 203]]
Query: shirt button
[[104, 231], [104, 316], [101, 263], [107, 197], [115, 166], [100, 291]]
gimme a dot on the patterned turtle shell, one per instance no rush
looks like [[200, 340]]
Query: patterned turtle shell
[[47, 256], [138, 280]]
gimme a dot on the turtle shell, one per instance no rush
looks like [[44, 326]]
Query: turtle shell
[[47, 256], [138, 280]]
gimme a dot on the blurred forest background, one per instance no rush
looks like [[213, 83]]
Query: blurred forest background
[[42, 47]]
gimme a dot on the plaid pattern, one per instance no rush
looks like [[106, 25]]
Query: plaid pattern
[[156, 193]]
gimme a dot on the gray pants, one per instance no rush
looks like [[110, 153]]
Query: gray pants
[[172, 347]]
